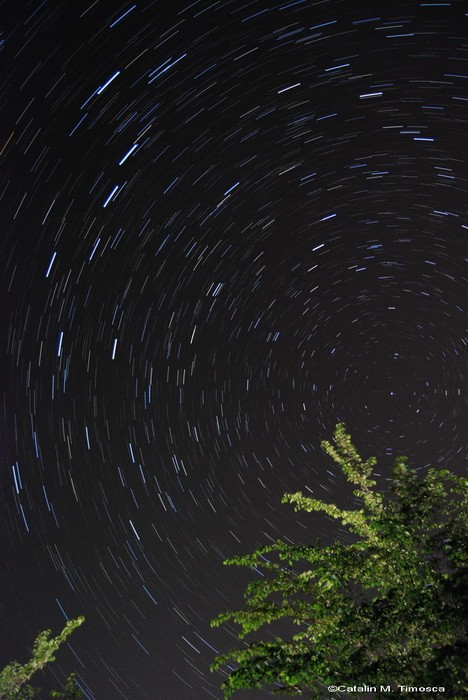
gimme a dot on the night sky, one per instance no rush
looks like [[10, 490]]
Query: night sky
[[225, 227]]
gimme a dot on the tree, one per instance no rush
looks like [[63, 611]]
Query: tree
[[71, 690], [389, 608], [14, 677]]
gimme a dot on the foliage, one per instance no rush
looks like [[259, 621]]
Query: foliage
[[389, 607], [70, 692], [14, 677]]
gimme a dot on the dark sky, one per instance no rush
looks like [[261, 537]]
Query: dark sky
[[225, 226]]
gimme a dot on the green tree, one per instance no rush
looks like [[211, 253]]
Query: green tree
[[390, 607], [71, 690], [14, 677]]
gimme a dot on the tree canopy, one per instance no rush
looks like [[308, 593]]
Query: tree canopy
[[14, 677], [388, 608]]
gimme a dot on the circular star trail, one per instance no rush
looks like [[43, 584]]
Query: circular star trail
[[226, 227]]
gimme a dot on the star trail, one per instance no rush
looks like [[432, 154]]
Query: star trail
[[226, 226]]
